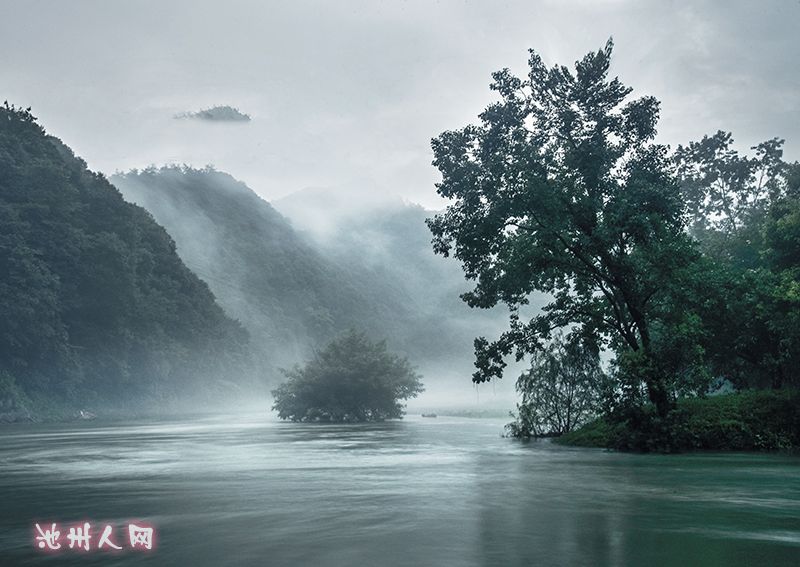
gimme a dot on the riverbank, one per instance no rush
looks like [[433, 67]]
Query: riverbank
[[744, 421]]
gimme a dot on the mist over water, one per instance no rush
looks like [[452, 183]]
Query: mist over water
[[247, 490]]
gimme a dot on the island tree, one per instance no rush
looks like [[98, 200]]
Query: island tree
[[561, 189], [351, 380]]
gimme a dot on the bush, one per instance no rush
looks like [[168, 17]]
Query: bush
[[351, 380], [745, 421], [561, 390]]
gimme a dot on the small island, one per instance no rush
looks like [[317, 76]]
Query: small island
[[351, 380]]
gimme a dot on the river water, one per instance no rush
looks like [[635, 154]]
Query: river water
[[440, 492]]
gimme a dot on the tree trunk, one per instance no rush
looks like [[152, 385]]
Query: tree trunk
[[657, 392], [654, 380], [777, 378]]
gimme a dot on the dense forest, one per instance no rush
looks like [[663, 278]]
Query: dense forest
[[96, 307], [682, 265]]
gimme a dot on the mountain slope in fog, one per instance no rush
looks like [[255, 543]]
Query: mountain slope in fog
[[296, 290], [96, 307], [288, 295], [388, 238]]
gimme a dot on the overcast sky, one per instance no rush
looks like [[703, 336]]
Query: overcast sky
[[348, 94]]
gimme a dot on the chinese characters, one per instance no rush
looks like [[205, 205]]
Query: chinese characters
[[82, 537]]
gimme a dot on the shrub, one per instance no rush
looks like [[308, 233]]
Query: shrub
[[561, 390], [745, 421], [351, 380]]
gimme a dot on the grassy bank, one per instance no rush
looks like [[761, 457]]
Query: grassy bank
[[744, 421]]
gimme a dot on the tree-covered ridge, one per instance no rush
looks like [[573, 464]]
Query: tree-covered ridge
[[95, 304], [333, 265]]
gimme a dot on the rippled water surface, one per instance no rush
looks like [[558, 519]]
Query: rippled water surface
[[440, 492]]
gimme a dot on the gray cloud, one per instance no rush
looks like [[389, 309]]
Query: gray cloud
[[222, 113], [350, 93]]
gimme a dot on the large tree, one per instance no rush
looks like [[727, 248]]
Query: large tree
[[561, 189]]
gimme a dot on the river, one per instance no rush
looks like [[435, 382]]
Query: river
[[249, 490]]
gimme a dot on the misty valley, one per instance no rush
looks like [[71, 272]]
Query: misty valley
[[552, 323]]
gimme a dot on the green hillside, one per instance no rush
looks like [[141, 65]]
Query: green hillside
[[96, 308]]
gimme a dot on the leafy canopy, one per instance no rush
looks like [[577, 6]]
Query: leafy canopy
[[561, 189], [745, 214], [352, 380]]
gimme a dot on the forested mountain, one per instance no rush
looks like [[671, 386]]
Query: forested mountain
[[96, 307], [294, 291], [284, 291]]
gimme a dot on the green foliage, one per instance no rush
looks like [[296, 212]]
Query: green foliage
[[745, 216], [598, 433], [729, 194], [95, 305], [351, 380], [755, 324], [745, 421], [561, 391], [561, 190], [782, 234]]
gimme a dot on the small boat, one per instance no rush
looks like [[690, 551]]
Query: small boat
[[428, 415], [87, 415]]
